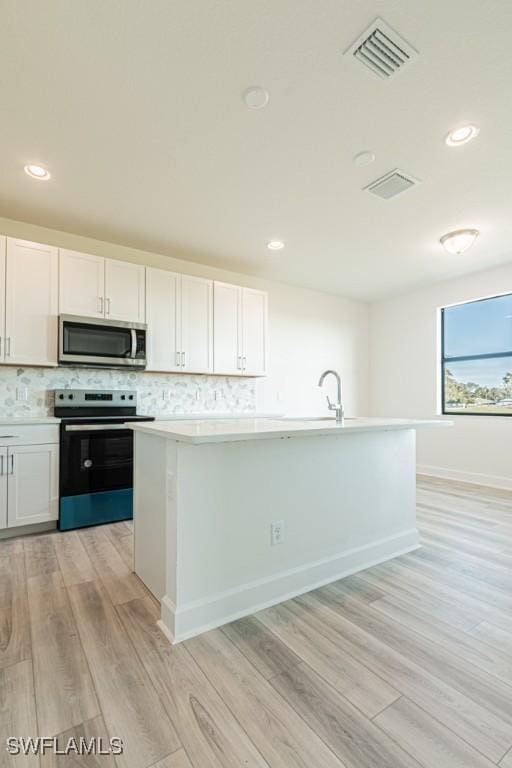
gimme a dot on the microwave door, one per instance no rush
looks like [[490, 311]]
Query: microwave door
[[98, 344]]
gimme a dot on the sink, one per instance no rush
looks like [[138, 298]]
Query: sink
[[314, 418]]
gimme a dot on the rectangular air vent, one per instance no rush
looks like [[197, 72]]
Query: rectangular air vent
[[382, 50], [392, 184]]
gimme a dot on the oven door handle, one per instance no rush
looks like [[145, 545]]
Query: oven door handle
[[93, 427], [134, 344]]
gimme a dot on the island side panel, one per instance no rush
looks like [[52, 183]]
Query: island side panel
[[154, 481], [346, 502]]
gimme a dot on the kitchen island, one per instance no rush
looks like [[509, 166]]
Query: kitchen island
[[234, 515]]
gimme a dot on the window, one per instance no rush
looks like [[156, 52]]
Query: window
[[477, 357]]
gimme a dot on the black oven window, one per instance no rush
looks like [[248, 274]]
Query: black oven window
[[96, 340], [477, 357]]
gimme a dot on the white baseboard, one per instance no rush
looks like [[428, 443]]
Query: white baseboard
[[477, 478], [216, 610], [26, 530]]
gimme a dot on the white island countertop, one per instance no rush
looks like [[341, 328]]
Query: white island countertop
[[232, 430]]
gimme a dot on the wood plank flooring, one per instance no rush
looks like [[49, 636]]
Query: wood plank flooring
[[405, 665]]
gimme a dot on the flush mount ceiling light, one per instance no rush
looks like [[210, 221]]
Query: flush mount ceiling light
[[462, 135], [255, 97], [275, 245], [459, 241], [37, 172], [363, 158]]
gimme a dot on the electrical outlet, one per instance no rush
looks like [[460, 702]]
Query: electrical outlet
[[277, 532], [22, 393], [165, 395]]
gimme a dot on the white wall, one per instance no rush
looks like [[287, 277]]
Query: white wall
[[405, 376], [308, 331]]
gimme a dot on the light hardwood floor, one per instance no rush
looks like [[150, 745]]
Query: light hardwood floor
[[405, 665]]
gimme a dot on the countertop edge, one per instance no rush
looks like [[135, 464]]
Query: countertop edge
[[231, 437]]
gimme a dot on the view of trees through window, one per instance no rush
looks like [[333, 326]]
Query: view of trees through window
[[477, 357]]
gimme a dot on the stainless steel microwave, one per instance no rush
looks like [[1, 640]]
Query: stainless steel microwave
[[96, 342]]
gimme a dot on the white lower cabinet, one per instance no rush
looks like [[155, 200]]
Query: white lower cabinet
[[32, 484], [29, 476]]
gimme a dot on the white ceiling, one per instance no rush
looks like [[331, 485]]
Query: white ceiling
[[135, 106]]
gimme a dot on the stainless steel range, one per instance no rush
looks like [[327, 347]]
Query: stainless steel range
[[96, 455]]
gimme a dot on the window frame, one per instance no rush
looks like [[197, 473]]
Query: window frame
[[462, 358]]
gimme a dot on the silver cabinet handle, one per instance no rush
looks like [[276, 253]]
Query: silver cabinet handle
[[182, 359], [8, 346], [11, 457], [1, 464], [239, 362], [107, 306], [244, 363], [178, 360], [100, 304]]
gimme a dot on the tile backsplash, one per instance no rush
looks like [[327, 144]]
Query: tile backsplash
[[29, 391]]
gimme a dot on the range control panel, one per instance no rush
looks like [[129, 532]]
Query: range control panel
[[80, 398]]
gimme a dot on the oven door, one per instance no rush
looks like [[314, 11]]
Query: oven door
[[95, 458], [87, 341]]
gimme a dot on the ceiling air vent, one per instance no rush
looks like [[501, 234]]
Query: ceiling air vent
[[382, 50], [392, 184]]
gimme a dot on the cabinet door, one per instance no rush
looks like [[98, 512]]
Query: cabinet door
[[162, 317], [81, 284], [3, 247], [3, 488], [125, 291], [227, 328], [254, 325], [31, 311], [32, 484], [196, 324]]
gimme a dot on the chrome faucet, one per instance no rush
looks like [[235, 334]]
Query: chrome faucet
[[338, 407]]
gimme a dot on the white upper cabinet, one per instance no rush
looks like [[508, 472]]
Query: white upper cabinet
[[196, 324], [240, 335], [254, 332], [81, 284], [179, 311], [227, 324], [125, 291], [3, 247], [163, 319], [91, 286], [31, 303]]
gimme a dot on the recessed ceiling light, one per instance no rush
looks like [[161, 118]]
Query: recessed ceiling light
[[459, 241], [462, 135], [37, 172], [255, 97], [363, 158], [275, 245]]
